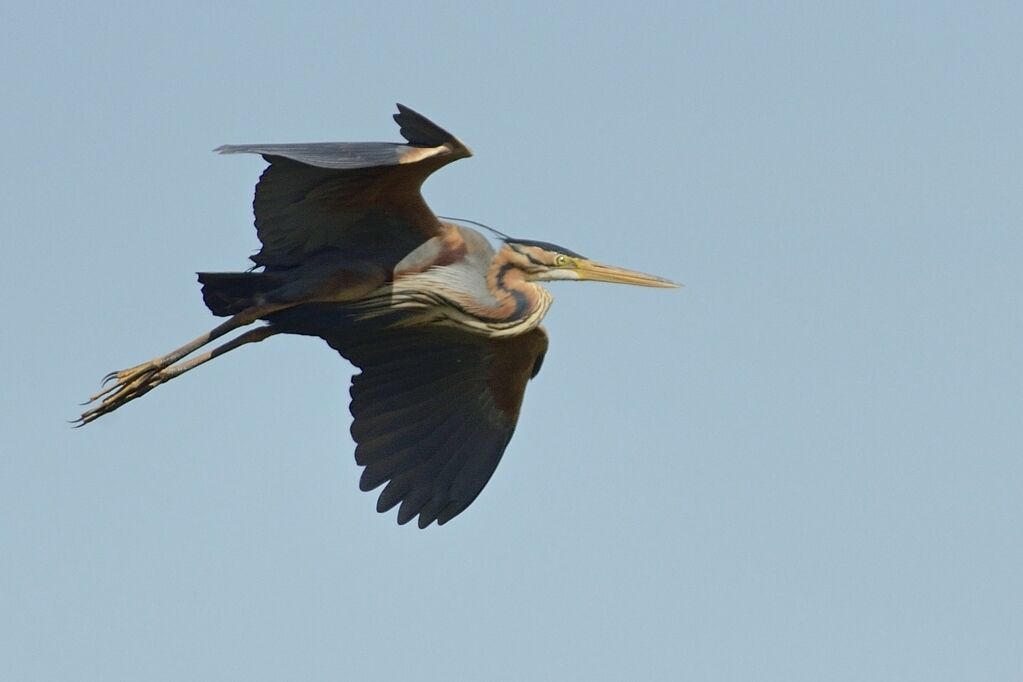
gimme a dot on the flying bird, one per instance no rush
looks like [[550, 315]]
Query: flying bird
[[444, 327]]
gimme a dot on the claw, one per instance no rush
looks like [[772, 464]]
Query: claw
[[123, 377], [96, 396], [130, 384]]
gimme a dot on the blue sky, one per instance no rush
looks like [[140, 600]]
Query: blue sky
[[804, 465]]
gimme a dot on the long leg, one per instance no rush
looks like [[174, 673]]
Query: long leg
[[138, 381], [242, 319]]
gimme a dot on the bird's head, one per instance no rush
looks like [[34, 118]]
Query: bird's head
[[545, 262]]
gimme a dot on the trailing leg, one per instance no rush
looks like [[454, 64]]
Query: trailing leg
[[139, 380]]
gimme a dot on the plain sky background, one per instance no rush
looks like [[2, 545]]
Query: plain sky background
[[805, 465]]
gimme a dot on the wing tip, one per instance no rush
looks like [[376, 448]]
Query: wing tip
[[422, 132]]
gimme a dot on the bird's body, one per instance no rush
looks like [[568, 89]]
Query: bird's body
[[445, 328]]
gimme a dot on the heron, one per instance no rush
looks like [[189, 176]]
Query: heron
[[444, 327]]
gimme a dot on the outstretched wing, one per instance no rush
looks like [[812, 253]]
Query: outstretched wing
[[362, 197], [434, 409]]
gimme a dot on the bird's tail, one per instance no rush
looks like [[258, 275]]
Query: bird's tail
[[229, 293]]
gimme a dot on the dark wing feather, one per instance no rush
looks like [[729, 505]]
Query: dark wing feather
[[434, 409], [362, 198]]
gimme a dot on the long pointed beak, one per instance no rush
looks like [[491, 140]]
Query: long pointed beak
[[598, 272]]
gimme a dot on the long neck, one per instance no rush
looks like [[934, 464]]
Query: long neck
[[520, 303], [500, 303]]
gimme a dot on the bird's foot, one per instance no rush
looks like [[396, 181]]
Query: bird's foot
[[127, 385]]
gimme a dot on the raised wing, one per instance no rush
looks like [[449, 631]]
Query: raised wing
[[362, 198], [434, 409]]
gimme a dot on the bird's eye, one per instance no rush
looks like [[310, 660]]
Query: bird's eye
[[560, 260]]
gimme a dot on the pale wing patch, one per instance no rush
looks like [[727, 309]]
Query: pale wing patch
[[417, 154]]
